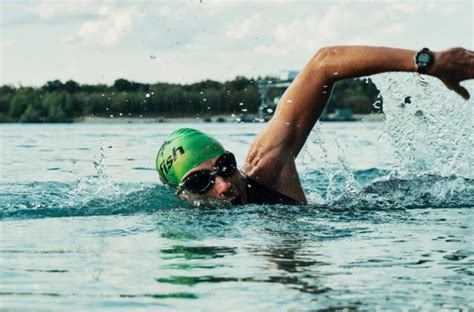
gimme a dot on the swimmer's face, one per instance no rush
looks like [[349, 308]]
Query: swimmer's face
[[229, 189]]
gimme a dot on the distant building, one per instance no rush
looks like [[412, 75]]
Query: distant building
[[289, 75], [340, 114], [268, 104]]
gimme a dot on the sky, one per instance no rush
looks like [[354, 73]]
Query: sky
[[192, 40]]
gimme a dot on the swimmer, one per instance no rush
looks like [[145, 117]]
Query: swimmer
[[198, 167]]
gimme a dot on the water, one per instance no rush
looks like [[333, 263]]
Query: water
[[85, 224]]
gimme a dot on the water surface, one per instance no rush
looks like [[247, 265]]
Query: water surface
[[86, 224]]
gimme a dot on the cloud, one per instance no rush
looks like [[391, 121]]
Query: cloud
[[50, 8], [111, 25], [102, 23], [396, 29], [311, 32], [213, 39], [7, 44], [413, 8], [242, 29]]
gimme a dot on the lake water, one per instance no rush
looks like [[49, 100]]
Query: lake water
[[86, 224]]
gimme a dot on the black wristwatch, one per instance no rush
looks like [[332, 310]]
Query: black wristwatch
[[423, 60]]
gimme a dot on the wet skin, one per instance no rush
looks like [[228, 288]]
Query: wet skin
[[230, 189], [271, 158]]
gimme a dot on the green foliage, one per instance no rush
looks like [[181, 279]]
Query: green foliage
[[62, 102], [19, 104], [129, 86], [360, 95]]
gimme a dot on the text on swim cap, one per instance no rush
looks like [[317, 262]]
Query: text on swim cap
[[167, 163]]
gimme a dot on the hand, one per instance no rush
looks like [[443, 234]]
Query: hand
[[453, 66]]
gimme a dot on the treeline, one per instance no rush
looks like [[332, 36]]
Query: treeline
[[63, 102]]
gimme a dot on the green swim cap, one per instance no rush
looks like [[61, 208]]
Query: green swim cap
[[185, 149]]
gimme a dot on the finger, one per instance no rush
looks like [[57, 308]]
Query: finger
[[461, 91], [456, 87]]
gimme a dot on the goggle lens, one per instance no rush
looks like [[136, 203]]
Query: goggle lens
[[198, 182], [201, 181], [226, 165]]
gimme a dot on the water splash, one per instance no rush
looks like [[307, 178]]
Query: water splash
[[94, 187], [431, 132], [424, 191], [338, 174], [57, 199], [92, 195], [429, 127]]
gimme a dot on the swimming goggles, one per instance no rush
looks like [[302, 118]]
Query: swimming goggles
[[202, 181]]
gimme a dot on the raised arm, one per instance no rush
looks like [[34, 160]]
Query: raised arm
[[303, 102]]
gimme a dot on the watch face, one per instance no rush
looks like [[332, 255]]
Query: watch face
[[423, 57]]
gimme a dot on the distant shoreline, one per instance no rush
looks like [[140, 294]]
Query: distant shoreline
[[209, 119]]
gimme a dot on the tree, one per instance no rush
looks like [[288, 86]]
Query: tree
[[55, 85], [71, 86], [129, 86], [19, 103]]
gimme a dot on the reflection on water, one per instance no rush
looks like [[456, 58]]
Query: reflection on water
[[290, 268], [204, 252], [108, 237]]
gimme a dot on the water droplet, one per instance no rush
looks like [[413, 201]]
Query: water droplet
[[147, 95], [111, 116], [419, 113], [289, 102], [204, 99], [241, 103], [377, 104], [336, 73], [244, 109]]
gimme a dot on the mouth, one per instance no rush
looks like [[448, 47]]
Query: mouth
[[233, 196]]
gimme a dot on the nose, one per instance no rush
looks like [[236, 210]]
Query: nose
[[221, 186]]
